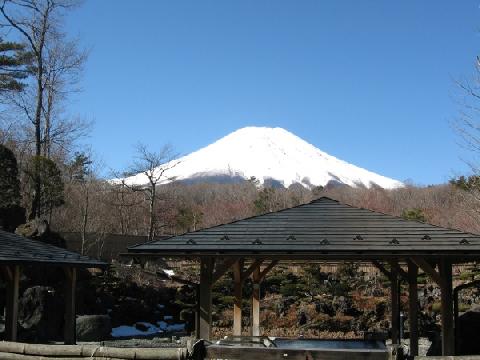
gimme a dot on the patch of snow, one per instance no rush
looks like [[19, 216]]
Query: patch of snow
[[269, 153], [167, 317], [169, 272], [125, 330], [160, 327]]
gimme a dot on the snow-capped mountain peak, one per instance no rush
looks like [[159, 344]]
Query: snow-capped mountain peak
[[272, 155]]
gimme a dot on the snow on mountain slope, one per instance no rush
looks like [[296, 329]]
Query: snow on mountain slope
[[270, 154]]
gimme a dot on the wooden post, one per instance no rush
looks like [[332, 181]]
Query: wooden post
[[413, 307], [448, 336], [12, 275], [237, 305], [205, 299], [394, 292], [70, 323], [255, 314]]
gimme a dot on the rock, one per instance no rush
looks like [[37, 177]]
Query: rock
[[141, 326], [324, 307], [128, 310], [469, 332], [93, 327], [39, 316], [435, 348], [40, 230], [302, 318]]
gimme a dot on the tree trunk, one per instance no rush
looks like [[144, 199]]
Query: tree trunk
[[152, 215], [35, 211], [84, 221]]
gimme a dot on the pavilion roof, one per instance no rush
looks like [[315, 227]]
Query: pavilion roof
[[323, 228], [16, 249]]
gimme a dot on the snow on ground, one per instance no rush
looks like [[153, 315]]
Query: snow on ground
[[159, 327], [266, 154], [169, 272]]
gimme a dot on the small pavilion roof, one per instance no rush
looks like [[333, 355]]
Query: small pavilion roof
[[323, 228], [19, 250]]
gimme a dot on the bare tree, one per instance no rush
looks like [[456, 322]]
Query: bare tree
[[467, 123], [63, 67], [38, 23], [154, 167]]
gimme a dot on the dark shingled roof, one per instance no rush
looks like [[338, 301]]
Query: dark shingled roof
[[16, 249], [323, 227]]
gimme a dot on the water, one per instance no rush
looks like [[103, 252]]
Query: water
[[329, 344]]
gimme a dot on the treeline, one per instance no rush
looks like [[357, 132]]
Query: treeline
[[102, 207]]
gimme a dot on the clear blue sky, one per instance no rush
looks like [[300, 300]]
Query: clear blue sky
[[370, 82]]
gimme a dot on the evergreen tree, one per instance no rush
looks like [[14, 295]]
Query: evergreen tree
[[414, 214], [51, 184], [80, 167], [14, 61], [9, 183]]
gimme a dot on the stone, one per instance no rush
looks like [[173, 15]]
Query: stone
[[469, 332], [93, 327], [141, 326], [39, 316]]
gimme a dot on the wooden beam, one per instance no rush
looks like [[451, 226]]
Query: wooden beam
[[413, 307], [12, 275], [395, 300], [205, 298], [403, 274], [237, 304], [69, 327], [267, 269], [220, 270], [255, 311], [382, 269], [246, 274], [427, 268], [448, 336]]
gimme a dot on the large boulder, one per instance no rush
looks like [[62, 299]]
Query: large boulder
[[469, 332], [93, 327], [39, 316]]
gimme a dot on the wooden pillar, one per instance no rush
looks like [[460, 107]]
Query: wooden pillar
[[448, 337], [12, 276], [237, 305], [70, 323], [255, 314], [413, 307], [395, 297], [205, 299]]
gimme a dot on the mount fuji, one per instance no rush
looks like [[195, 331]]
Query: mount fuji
[[273, 156]]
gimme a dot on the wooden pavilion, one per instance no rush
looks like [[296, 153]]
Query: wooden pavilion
[[325, 230], [16, 252]]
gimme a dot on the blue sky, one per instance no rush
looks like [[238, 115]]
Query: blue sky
[[370, 82]]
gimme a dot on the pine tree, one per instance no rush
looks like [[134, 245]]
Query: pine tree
[[9, 183], [51, 184], [14, 61]]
